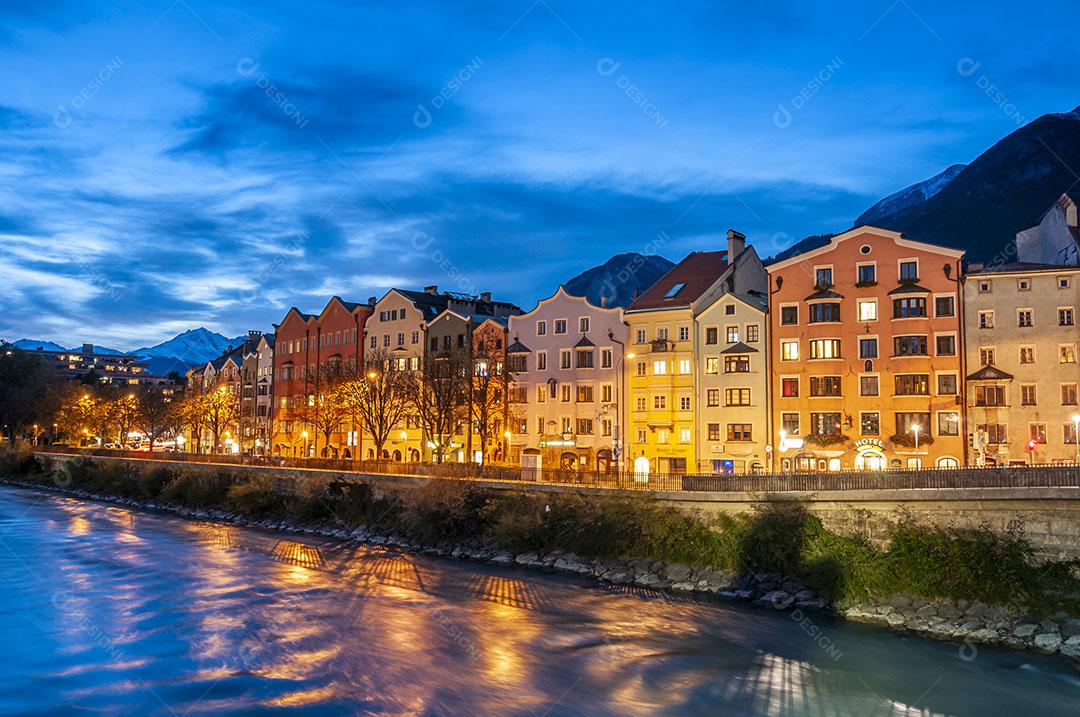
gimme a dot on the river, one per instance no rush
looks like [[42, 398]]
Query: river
[[106, 610]]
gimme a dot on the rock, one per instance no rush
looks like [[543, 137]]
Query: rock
[[942, 629], [813, 604], [791, 586], [529, 559], [1047, 643], [776, 599], [895, 620], [962, 605], [677, 573], [948, 612], [927, 611], [1070, 628], [804, 595], [743, 594], [918, 624], [647, 579], [1025, 631], [1071, 647], [984, 635], [899, 600], [1049, 626], [684, 586], [971, 626], [502, 558]]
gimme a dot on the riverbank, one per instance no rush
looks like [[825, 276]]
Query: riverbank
[[976, 588]]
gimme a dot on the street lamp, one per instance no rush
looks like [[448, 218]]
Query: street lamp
[[1076, 435], [304, 435], [915, 429], [620, 443]]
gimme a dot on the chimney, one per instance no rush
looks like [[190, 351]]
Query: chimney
[[736, 242], [485, 296], [433, 289], [372, 300]]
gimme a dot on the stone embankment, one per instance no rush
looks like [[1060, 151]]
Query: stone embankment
[[962, 621]]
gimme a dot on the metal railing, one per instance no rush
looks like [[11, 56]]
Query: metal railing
[[1033, 476]]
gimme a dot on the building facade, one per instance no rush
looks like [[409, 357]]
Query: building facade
[[867, 355], [566, 360], [1023, 377], [1055, 239], [101, 368]]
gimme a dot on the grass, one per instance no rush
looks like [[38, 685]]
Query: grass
[[931, 562]]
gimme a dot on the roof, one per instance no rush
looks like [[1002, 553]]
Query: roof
[[739, 348], [1019, 267], [696, 272], [518, 348], [864, 230], [909, 289], [584, 343], [824, 294], [990, 373]]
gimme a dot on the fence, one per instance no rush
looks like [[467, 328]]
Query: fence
[[1037, 476]]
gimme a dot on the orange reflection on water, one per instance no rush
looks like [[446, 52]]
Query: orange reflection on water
[[78, 525], [301, 698]]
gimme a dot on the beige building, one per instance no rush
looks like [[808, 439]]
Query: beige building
[[732, 370], [1022, 342]]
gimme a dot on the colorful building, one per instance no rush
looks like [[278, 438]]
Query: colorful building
[[867, 355], [566, 364], [1023, 375]]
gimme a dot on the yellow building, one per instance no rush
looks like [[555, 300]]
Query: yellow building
[[662, 375]]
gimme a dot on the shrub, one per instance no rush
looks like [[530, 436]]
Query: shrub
[[256, 497]]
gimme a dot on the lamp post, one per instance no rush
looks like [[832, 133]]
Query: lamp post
[[618, 398], [915, 429], [1076, 436], [304, 435]]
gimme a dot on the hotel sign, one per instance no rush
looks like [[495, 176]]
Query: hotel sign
[[869, 443]]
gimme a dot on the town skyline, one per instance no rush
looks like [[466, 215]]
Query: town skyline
[[159, 153]]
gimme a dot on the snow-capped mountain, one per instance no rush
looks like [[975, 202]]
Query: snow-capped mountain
[[916, 193], [36, 345], [185, 350]]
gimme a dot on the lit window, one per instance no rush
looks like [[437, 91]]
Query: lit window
[[789, 350], [868, 310]]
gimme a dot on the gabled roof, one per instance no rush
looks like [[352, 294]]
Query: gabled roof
[[909, 289], [584, 343], [899, 238], [824, 294], [990, 373], [696, 273], [518, 348], [739, 348]]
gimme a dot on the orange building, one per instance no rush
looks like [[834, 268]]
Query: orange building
[[867, 355]]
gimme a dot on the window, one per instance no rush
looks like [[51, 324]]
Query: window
[[944, 306], [868, 348], [584, 394], [686, 435], [909, 308], [560, 326], [518, 363], [584, 358], [564, 358], [1063, 282], [659, 368], [824, 312], [1027, 354], [641, 368], [824, 385], [989, 395], [712, 397], [684, 333], [1068, 394], [946, 344], [415, 338], [823, 277], [946, 384], [789, 350], [739, 432], [906, 422], [825, 424], [584, 426], [661, 435], [948, 423], [736, 364], [789, 387], [712, 365], [639, 336], [711, 336], [985, 285], [825, 349], [1037, 432], [541, 360], [790, 422], [642, 435], [1025, 318], [1065, 316], [789, 315], [641, 403], [867, 274], [912, 384], [995, 432], [909, 271], [986, 356], [868, 310], [751, 333], [684, 367], [1069, 433], [541, 328], [659, 402], [729, 309], [714, 431], [868, 386], [583, 325], [909, 346], [1023, 284], [1027, 395], [605, 358], [1067, 353], [661, 333], [733, 334], [870, 423], [737, 397], [684, 403], [564, 394], [674, 290], [986, 319]]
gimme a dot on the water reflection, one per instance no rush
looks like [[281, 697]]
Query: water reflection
[[150, 611]]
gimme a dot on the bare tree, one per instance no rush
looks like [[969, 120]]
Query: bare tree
[[439, 394], [222, 408], [380, 397], [488, 401], [330, 407], [155, 415]]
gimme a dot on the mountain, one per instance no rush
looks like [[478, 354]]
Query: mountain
[[619, 279], [35, 345], [894, 204], [980, 207], [185, 350]]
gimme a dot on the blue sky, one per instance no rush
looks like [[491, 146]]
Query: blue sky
[[176, 163]]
